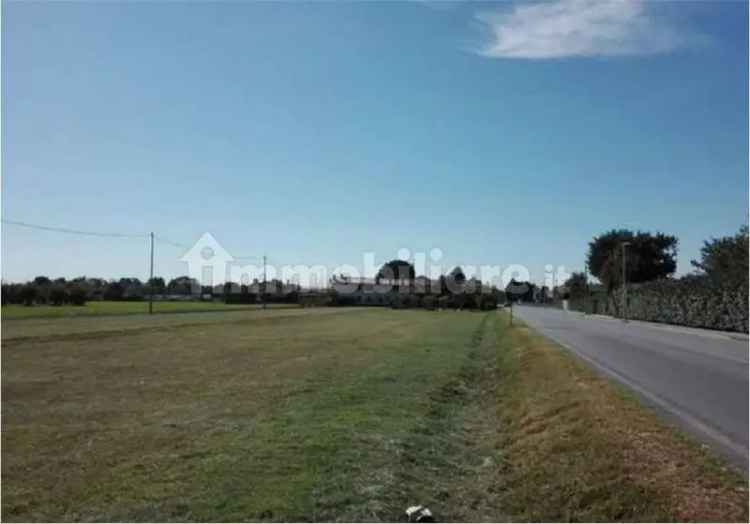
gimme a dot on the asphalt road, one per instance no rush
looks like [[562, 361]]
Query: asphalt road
[[697, 379]]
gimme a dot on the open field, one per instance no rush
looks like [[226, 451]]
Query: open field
[[108, 307], [331, 414]]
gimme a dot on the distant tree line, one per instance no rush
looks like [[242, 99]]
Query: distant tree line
[[271, 291], [77, 291], [43, 290], [397, 285]]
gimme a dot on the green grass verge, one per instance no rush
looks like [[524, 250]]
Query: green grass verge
[[106, 308], [580, 448]]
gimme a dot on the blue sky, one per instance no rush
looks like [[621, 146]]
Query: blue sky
[[506, 133]]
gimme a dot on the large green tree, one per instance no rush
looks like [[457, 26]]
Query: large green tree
[[183, 285], [455, 281], [649, 256], [576, 285], [457, 275], [520, 290], [156, 285], [396, 270], [27, 294], [42, 281], [57, 295], [114, 291], [725, 259]]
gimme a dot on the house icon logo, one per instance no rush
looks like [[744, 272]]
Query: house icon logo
[[207, 261]]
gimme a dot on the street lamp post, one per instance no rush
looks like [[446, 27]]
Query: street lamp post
[[624, 283], [587, 299]]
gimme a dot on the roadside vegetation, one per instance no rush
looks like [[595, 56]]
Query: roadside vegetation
[[578, 447], [647, 257], [713, 296], [346, 414]]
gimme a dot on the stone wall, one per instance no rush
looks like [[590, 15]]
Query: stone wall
[[690, 301]]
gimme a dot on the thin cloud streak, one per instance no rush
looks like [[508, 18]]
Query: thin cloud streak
[[578, 28]]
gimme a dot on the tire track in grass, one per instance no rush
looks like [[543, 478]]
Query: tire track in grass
[[440, 461]]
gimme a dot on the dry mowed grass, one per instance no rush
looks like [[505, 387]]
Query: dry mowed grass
[[329, 414], [580, 448], [233, 416]]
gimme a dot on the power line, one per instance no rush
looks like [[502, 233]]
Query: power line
[[69, 231], [72, 231], [186, 248], [171, 242]]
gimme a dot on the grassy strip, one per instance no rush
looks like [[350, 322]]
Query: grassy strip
[[97, 308], [57, 329], [579, 448], [436, 457]]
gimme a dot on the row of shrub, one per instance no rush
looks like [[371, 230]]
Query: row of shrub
[[254, 298], [44, 290], [460, 301], [690, 301], [396, 300], [55, 294]]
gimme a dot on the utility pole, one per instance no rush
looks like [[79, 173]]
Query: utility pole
[[624, 283], [265, 286], [151, 279]]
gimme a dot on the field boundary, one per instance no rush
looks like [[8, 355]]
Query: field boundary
[[207, 309]]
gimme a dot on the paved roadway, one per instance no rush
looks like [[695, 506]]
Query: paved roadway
[[696, 378]]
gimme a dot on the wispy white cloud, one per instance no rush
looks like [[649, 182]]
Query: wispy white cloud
[[578, 28]]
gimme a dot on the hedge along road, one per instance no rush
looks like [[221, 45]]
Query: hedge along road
[[697, 379]]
